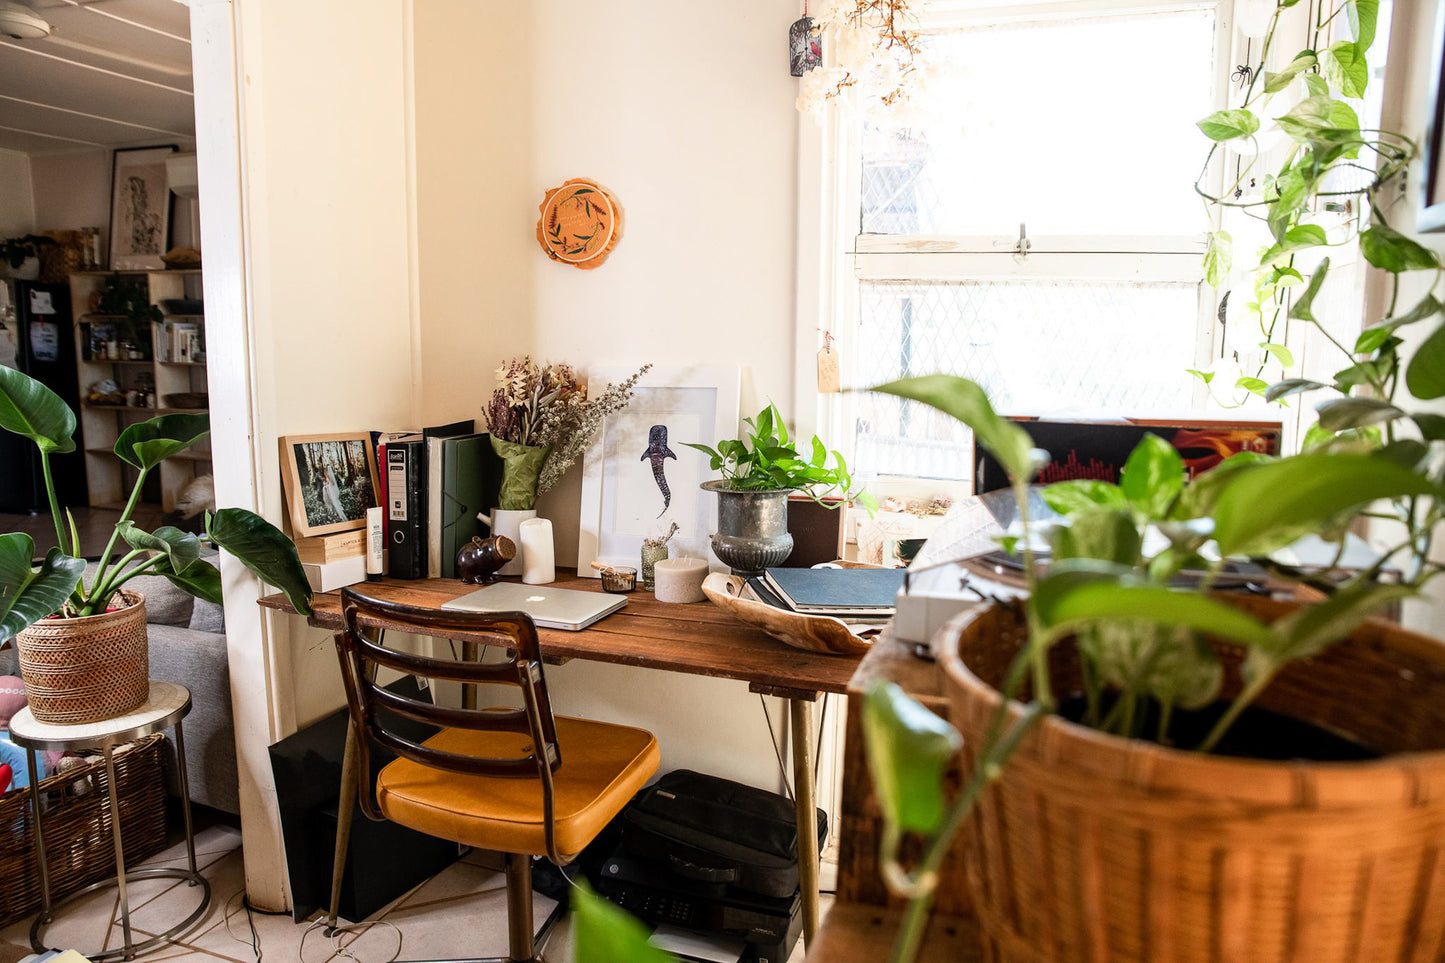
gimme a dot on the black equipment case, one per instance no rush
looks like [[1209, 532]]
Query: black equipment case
[[714, 830]]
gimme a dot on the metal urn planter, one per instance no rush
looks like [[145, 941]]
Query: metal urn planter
[[752, 528]]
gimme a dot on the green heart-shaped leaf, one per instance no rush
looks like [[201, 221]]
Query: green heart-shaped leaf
[[28, 595], [1153, 476], [909, 749], [604, 933], [183, 548], [149, 443], [31, 410], [264, 549], [200, 578]]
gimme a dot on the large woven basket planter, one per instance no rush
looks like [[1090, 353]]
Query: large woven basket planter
[[87, 669], [1094, 848]]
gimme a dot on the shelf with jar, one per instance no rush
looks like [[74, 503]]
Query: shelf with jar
[[136, 359]]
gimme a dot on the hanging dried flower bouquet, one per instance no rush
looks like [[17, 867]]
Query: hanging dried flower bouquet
[[541, 419]]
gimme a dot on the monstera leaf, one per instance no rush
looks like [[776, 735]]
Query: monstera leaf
[[27, 595], [264, 549], [181, 548], [149, 443], [32, 410]]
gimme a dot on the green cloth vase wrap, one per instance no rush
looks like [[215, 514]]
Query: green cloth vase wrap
[[521, 467]]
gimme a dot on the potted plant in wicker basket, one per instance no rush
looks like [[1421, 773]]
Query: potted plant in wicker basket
[[83, 648], [759, 472]]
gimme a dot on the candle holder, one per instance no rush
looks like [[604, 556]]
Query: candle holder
[[619, 579]]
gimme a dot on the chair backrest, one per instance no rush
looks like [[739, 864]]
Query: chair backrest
[[370, 703]]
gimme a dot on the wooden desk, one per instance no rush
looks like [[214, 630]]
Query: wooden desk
[[697, 639]]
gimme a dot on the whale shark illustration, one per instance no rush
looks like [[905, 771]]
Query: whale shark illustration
[[657, 451]]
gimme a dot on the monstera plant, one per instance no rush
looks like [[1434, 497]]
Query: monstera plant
[[56, 588]]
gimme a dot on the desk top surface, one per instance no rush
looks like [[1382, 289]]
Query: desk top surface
[[697, 638]]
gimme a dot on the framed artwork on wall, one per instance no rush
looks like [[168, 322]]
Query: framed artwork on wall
[[329, 480], [637, 475], [1431, 214], [140, 209]]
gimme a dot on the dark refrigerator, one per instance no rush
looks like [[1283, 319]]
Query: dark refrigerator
[[37, 337]]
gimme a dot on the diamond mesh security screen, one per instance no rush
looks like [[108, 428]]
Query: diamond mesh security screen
[[1036, 346]]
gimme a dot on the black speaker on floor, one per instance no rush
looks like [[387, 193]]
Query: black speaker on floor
[[384, 860]]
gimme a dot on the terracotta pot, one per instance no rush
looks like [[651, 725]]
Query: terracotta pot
[[1094, 848], [87, 669]]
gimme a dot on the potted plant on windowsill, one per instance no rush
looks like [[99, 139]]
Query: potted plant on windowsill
[[759, 472], [83, 649]]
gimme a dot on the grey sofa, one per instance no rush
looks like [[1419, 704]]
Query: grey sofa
[[188, 645]]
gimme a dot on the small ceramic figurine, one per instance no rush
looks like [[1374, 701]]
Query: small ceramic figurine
[[479, 559]]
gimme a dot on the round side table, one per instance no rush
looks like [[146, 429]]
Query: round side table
[[166, 707]]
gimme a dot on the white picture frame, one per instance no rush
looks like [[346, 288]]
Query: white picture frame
[[619, 486]]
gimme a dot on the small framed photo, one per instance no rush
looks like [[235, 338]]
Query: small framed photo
[[638, 476], [330, 482], [140, 209]]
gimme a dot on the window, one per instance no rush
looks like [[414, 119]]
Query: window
[[1036, 231]]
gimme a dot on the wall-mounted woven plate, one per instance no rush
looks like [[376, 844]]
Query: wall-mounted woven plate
[[580, 223]]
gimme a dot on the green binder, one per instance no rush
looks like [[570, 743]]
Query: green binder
[[471, 479]]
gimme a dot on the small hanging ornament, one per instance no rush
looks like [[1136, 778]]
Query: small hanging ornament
[[805, 45], [829, 380]]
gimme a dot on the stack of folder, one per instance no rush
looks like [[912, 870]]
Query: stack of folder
[[865, 595]]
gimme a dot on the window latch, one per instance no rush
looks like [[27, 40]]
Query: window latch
[[1021, 249]]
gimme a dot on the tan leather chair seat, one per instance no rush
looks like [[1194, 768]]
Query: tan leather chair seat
[[603, 765]]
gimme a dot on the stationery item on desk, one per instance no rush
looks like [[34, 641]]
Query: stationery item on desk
[[406, 501], [478, 561], [436, 439], [470, 480], [552, 608], [375, 546], [831, 591], [679, 579], [330, 548], [758, 589], [538, 562], [334, 575]]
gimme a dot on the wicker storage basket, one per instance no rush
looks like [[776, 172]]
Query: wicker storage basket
[[78, 846], [1094, 848], [87, 669]]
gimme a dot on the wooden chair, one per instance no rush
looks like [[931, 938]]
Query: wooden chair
[[491, 778]]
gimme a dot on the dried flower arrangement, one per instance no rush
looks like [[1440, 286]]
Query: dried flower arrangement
[[658, 541], [877, 63], [541, 419]]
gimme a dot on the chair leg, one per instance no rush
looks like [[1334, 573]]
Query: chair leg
[[519, 908]]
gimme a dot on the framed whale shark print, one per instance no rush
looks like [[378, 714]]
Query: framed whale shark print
[[638, 477]]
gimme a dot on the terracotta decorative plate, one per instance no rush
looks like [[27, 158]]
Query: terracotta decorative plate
[[580, 223]]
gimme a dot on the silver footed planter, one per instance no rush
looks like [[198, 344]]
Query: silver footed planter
[[752, 528]]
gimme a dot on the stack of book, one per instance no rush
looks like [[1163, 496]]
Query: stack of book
[[181, 343], [860, 595], [333, 561]]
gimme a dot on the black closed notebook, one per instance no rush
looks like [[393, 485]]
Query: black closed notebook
[[834, 590]]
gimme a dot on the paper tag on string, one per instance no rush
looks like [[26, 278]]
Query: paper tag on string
[[829, 381]]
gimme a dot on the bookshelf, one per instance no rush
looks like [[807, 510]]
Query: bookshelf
[[158, 367]]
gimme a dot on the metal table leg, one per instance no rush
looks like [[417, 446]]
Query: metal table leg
[[129, 941], [38, 838], [804, 791]]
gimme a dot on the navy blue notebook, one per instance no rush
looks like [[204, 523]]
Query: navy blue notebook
[[830, 590]]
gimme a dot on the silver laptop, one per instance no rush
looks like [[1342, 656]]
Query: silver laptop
[[552, 608]]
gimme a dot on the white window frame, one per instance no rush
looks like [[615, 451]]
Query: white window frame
[[833, 257]]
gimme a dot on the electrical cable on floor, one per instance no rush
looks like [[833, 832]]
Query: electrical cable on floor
[[255, 941], [339, 951]]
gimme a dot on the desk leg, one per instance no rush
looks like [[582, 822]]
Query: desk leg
[[469, 690], [345, 804], [37, 836], [801, 714]]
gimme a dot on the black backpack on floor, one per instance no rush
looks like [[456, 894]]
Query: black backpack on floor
[[717, 831]]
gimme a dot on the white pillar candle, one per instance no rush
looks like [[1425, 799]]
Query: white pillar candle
[[679, 579], [538, 562]]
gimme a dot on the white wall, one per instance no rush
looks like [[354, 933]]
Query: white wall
[[685, 112], [72, 190], [17, 207]]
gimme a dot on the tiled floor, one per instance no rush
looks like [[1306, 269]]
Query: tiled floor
[[462, 912]]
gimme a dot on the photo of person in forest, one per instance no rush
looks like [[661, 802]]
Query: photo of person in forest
[[334, 481]]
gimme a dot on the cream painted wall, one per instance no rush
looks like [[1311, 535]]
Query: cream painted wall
[[684, 111], [72, 190], [17, 207]]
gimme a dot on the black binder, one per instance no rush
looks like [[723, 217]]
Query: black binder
[[406, 507]]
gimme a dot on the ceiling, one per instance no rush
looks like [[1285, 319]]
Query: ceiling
[[113, 73]]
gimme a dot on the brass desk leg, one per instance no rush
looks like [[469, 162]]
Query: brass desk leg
[[345, 804], [801, 714], [469, 689]]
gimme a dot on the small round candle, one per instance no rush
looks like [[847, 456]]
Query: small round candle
[[679, 579]]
